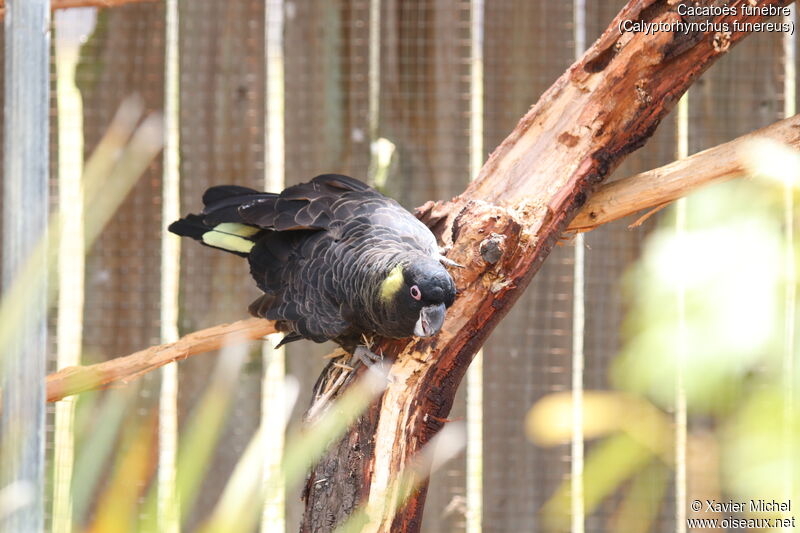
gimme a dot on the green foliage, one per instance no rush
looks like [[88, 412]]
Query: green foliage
[[711, 321]]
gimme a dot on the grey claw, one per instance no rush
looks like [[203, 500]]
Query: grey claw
[[373, 362], [366, 356]]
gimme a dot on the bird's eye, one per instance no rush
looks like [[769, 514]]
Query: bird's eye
[[415, 292]]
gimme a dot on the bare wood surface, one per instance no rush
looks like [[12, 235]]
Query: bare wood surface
[[666, 184], [76, 379], [66, 4]]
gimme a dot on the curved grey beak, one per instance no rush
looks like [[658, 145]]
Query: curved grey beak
[[430, 320]]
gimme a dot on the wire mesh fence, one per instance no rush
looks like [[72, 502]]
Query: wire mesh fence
[[381, 90]]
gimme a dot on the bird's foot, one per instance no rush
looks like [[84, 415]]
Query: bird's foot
[[367, 356], [373, 362]]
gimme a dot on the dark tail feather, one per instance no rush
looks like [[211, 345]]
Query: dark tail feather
[[190, 226], [221, 193], [223, 202], [220, 225], [231, 237]]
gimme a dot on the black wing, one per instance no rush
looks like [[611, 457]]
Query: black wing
[[305, 245]]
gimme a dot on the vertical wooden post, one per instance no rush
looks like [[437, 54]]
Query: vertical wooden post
[[168, 513], [25, 181], [680, 417], [71, 27], [273, 408]]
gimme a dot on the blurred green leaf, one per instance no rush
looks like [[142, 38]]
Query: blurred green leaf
[[729, 263], [96, 445]]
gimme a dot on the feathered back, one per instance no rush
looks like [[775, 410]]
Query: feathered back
[[317, 250]]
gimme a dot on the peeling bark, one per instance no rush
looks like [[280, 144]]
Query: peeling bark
[[604, 107]]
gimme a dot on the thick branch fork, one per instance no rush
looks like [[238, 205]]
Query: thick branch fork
[[604, 107]]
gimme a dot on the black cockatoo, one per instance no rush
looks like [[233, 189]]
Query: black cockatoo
[[336, 259]]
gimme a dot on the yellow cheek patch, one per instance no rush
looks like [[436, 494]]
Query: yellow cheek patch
[[392, 283], [231, 236]]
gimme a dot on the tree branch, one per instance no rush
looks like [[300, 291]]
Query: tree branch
[[611, 202], [76, 379], [604, 107], [666, 184]]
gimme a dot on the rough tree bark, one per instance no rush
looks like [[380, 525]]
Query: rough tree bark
[[502, 228]]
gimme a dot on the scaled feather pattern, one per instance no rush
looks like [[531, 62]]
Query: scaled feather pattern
[[335, 259]]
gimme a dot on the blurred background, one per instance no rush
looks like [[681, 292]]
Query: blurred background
[[679, 333]]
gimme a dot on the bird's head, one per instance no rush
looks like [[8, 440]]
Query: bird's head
[[418, 291]]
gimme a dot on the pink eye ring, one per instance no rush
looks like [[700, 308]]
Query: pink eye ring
[[415, 292]]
